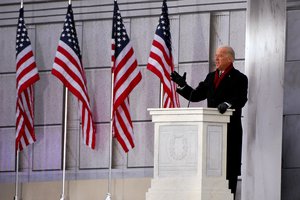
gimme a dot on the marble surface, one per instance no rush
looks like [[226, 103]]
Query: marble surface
[[7, 42], [7, 100], [98, 158], [47, 150], [7, 143], [293, 40], [291, 88], [237, 34], [265, 53], [99, 89], [96, 48], [220, 34], [48, 100], [46, 41], [142, 154], [189, 154], [194, 37], [290, 143], [291, 162]]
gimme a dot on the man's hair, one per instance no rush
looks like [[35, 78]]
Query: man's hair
[[230, 50]]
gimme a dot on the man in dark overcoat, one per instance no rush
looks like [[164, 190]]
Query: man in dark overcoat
[[224, 88]]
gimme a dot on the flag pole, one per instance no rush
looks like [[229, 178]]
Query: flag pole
[[17, 164], [62, 197], [17, 176], [161, 95], [108, 195]]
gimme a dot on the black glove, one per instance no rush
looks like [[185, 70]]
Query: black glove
[[222, 107], [180, 80]]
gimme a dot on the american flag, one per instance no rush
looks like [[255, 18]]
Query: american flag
[[26, 76], [160, 61], [68, 68], [125, 77]]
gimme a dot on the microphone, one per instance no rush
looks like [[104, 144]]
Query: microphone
[[190, 97]]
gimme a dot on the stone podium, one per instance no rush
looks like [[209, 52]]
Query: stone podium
[[189, 154]]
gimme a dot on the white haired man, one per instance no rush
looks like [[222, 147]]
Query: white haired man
[[224, 88]]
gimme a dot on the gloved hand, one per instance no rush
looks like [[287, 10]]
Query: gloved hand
[[180, 80], [222, 107]]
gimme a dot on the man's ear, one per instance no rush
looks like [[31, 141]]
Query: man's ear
[[230, 58]]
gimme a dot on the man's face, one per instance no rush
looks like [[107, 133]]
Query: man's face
[[222, 59]]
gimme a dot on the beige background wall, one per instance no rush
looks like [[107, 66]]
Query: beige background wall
[[126, 189]]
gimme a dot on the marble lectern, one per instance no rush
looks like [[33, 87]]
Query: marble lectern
[[189, 154]]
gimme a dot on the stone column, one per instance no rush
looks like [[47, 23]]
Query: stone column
[[265, 56]]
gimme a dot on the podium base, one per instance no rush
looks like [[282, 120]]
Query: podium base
[[188, 189]]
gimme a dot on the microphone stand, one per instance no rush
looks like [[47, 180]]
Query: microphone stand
[[190, 97]]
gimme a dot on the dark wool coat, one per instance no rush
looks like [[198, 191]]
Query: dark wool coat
[[232, 89]]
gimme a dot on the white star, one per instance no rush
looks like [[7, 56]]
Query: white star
[[21, 19], [17, 41], [119, 45], [66, 24], [68, 34], [67, 29], [124, 38], [22, 40], [69, 40], [23, 34], [21, 45], [63, 35], [27, 40], [162, 22], [18, 35], [20, 24]]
